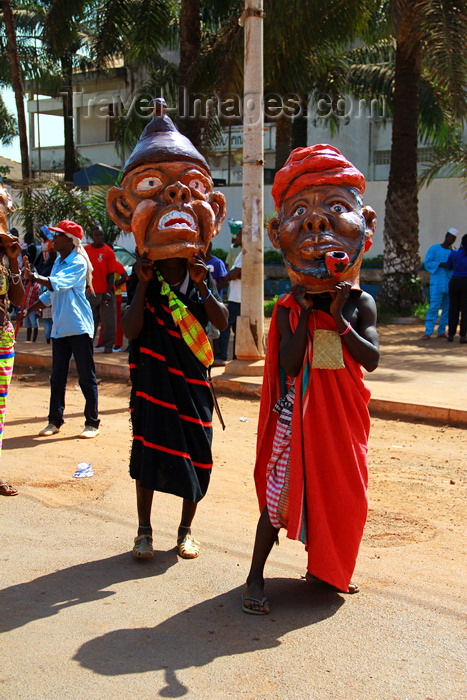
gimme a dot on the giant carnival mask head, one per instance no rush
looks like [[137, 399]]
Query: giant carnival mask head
[[322, 229], [166, 197], [6, 206]]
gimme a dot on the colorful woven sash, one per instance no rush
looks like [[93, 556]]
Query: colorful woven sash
[[192, 331]]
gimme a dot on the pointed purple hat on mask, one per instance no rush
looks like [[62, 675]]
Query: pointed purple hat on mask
[[160, 141]]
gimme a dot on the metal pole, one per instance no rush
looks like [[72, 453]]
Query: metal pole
[[249, 343]]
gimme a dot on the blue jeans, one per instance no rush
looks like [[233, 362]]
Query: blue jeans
[[47, 323], [80, 346]]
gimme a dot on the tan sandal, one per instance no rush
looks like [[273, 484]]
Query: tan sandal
[[188, 548], [143, 547]]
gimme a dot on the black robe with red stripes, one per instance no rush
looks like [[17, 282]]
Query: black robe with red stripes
[[171, 402]]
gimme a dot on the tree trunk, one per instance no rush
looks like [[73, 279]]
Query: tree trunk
[[190, 45], [401, 289], [17, 86], [70, 162], [300, 127], [283, 140]]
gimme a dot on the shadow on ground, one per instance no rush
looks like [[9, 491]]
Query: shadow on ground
[[47, 595], [212, 629]]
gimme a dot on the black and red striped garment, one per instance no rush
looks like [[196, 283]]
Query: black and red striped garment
[[171, 402]]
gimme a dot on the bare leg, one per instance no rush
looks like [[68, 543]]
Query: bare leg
[[143, 548], [144, 504], [266, 535], [188, 513]]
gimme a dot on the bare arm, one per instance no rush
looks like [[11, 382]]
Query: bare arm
[[361, 339], [34, 307], [293, 345], [216, 312], [234, 274], [15, 284], [34, 277]]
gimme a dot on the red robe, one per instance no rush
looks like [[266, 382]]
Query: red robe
[[328, 466]]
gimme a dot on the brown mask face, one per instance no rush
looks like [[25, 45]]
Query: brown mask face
[[6, 206], [314, 225], [170, 208]]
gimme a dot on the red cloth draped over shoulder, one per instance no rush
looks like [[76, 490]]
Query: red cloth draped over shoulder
[[328, 473]]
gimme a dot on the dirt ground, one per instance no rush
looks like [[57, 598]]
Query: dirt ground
[[417, 470], [411, 557]]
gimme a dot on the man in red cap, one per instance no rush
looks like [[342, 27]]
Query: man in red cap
[[311, 472], [73, 325]]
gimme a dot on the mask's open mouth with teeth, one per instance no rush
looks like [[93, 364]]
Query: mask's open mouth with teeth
[[176, 219], [175, 234]]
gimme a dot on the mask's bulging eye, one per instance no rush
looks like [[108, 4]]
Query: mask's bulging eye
[[339, 208], [199, 186], [148, 184], [299, 211]]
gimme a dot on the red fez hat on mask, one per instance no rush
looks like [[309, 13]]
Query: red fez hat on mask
[[161, 142], [315, 165], [68, 228]]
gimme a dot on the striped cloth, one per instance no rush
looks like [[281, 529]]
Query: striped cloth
[[7, 358], [171, 401], [278, 468], [192, 331]]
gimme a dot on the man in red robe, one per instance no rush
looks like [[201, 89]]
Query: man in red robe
[[311, 469]]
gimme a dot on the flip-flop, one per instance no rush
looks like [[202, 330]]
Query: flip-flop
[[250, 611], [7, 489]]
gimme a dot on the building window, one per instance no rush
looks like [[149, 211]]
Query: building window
[[384, 157]]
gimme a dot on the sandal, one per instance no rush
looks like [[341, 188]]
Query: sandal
[[261, 605], [7, 489], [143, 547], [188, 548]]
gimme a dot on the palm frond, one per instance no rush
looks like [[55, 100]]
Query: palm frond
[[8, 125], [452, 160]]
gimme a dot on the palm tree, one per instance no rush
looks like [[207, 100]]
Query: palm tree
[[65, 37], [431, 44], [8, 126], [17, 83]]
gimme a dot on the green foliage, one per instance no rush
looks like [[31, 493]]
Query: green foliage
[[376, 262], [52, 203], [273, 256], [269, 306], [55, 201], [219, 253], [95, 201], [420, 311], [8, 125]]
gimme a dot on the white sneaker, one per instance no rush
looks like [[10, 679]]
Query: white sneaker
[[89, 432], [51, 429], [99, 347]]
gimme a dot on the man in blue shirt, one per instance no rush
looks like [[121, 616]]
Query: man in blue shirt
[[73, 325], [435, 264]]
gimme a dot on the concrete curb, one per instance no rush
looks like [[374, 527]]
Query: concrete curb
[[251, 387]]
